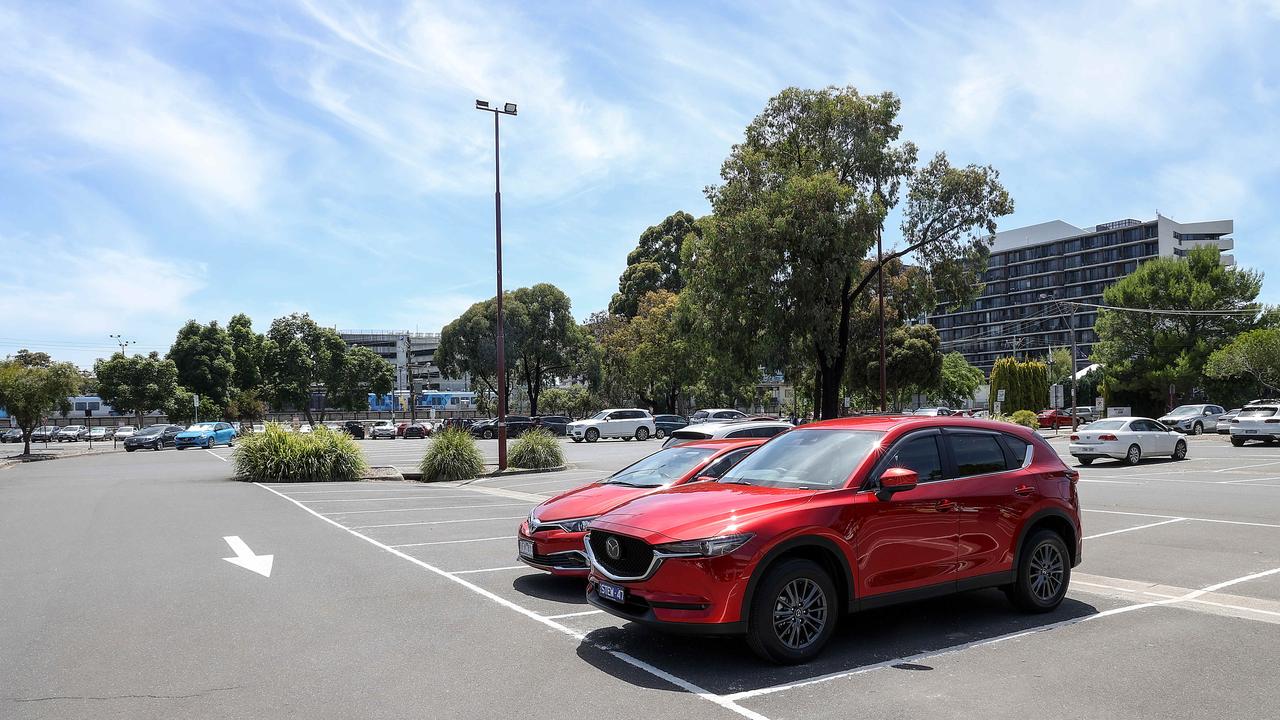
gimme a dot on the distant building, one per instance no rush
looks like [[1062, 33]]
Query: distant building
[[1032, 268], [413, 355]]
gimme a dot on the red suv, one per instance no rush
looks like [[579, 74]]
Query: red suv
[[839, 516], [551, 537]]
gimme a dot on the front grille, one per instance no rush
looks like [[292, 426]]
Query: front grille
[[634, 558], [567, 560]]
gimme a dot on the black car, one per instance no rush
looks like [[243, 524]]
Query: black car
[[663, 425], [554, 424], [488, 429], [416, 431], [153, 437], [12, 435], [354, 428]]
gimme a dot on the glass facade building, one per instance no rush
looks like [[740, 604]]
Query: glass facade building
[[412, 353], [1032, 269]]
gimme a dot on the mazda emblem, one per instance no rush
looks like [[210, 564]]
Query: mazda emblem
[[613, 548]]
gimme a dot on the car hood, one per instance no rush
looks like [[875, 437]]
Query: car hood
[[589, 501], [585, 423], [1175, 419], [699, 510]]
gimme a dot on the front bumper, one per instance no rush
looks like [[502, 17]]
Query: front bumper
[[1112, 450], [190, 441], [554, 551]]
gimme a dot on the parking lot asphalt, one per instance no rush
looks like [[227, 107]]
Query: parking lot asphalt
[[397, 599]]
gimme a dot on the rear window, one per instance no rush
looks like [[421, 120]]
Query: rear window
[[976, 454], [1106, 425], [1018, 448], [1257, 412], [680, 437]]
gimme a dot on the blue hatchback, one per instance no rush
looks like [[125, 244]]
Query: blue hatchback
[[205, 435]]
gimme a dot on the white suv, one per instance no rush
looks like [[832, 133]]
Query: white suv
[[1256, 422], [625, 423]]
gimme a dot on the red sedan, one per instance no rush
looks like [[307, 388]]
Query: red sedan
[[551, 537], [1050, 419], [839, 516]]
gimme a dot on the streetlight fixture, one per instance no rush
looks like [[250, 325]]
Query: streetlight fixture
[[506, 109], [122, 342]]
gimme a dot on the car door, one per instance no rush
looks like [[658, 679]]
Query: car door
[[908, 540], [1213, 413], [630, 422], [992, 495]]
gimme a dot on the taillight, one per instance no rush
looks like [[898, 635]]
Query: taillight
[[1234, 420], [1075, 438], [1272, 420], [1108, 437]]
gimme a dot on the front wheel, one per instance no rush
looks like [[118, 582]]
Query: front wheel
[[592, 435], [642, 433], [1134, 455], [1180, 451], [485, 434], [659, 433], [793, 613], [158, 446], [1197, 429], [208, 444], [1044, 571]]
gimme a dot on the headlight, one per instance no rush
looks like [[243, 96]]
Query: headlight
[[706, 547], [576, 525]]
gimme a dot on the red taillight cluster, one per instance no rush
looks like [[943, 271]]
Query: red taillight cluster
[[1075, 438], [1108, 437]]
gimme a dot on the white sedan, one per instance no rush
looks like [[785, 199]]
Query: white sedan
[[1127, 438]]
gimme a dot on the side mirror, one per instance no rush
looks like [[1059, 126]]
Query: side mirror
[[895, 480]]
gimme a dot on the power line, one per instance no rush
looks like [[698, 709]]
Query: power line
[[1163, 311]]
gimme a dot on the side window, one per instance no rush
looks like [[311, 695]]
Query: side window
[[1142, 426], [721, 465], [919, 454], [742, 434], [977, 454], [1018, 448]]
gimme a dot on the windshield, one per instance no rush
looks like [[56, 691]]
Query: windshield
[[818, 459], [1262, 412], [1185, 410], [201, 426], [1106, 425], [661, 468], [153, 430], [600, 415]]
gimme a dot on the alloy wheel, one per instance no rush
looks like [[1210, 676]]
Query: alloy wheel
[[1135, 454], [1046, 572], [799, 613]]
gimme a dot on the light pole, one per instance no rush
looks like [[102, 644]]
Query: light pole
[[505, 109], [122, 342]]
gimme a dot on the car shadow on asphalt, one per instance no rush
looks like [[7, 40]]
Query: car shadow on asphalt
[[555, 588], [726, 665]]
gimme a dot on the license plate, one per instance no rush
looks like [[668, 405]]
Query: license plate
[[612, 592], [1250, 432], [526, 548]]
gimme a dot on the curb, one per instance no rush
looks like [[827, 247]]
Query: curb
[[509, 472], [14, 462]]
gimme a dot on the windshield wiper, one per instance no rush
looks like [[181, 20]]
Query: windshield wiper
[[630, 484]]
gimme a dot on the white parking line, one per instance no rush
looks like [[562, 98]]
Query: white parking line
[[1175, 517], [1108, 482], [580, 637], [446, 507], [998, 639], [1140, 527], [215, 455], [574, 614], [485, 570], [402, 497], [434, 522], [391, 489], [455, 542]]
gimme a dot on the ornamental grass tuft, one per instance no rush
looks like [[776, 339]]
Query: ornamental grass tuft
[[277, 455], [535, 450], [452, 455], [1025, 418]]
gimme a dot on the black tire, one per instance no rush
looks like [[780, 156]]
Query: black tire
[[777, 612], [659, 433], [1197, 429], [1044, 572], [1085, 461], [642, 433], [485, 434], [1180, 450], [1237, 441], [577, 439], [592, 435], [158, 446], [1133, 456], [129, 449]]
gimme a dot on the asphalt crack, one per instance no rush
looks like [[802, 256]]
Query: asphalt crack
[[147, 696]]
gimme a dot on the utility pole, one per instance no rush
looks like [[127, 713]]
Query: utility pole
[[880, 293], [122, 342], [1075, 416]]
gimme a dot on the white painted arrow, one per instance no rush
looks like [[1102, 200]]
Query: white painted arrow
[[245, 558]]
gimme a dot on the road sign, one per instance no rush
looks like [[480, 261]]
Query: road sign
[[1100, 403], [1055, 395], [1000, 395], [196, 399], [996, 409]]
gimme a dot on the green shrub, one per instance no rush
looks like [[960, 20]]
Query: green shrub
[[1026, 418], [277, 455], [535, 450], [452, 455]]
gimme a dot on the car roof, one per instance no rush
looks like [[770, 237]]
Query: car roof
[[886, 423], [723, 443], [717, 425]]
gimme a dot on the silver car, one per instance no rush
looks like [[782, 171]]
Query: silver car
[[1194, 419], [730, 429]]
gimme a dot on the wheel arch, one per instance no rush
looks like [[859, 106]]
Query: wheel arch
[[1054, 519], [822, 550]]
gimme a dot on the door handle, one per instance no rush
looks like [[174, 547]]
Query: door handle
[[1024, 490], [944, 506]]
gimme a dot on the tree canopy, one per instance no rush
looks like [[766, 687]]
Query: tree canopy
[[1253, 356], [1145, 354], [958, 380], [137, 384], [32, 386], [205, 358], [654, 264], [302, 359]]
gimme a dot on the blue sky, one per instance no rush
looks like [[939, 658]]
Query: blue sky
[[166, 161]]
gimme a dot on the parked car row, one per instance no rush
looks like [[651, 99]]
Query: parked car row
[[761, 536], [70, 433]]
